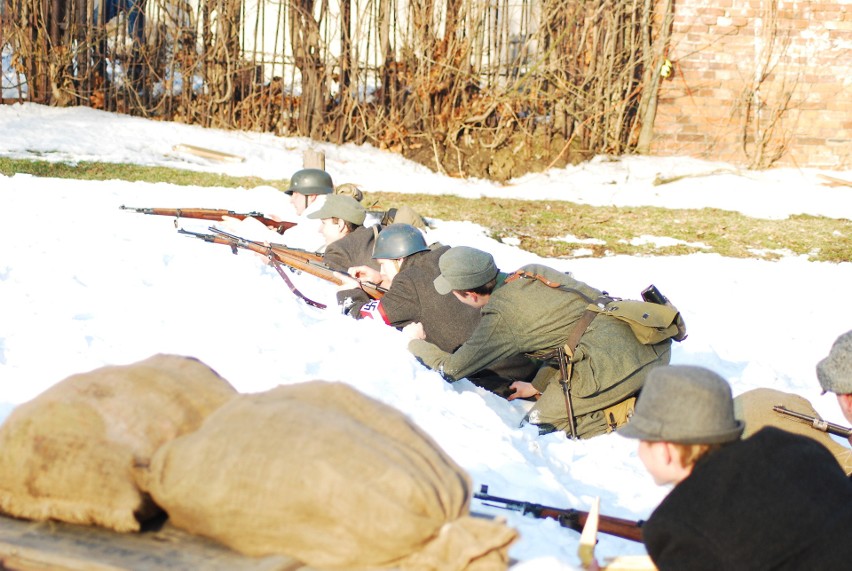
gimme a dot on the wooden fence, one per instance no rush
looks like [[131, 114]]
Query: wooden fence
[[491, 88]]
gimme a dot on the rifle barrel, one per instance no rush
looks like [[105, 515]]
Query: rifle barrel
[[295, 259], [570, 518], [815, 422], [212, 214]]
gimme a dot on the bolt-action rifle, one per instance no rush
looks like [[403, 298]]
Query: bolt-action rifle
[[815, 422], [294, 259], [213, 214], [570, 518]]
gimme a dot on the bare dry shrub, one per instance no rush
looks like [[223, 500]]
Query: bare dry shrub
[[449, 82]]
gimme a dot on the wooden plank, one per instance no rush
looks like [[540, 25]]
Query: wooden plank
[[313, 160], [55, 546], [589, 535], [834, 181], [629, 563], [209, 153]]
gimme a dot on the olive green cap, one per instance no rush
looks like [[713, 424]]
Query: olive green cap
[[463, 268], [343, 207]]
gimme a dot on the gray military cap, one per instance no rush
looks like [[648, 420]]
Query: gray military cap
[[464, 268], [835, 371], [686, 405], [343, 207]]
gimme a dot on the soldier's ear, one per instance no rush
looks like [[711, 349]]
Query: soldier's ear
[[461, 295]]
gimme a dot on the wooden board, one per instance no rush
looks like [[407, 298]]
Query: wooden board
[[209, 154], [629, 563], [834, 181], [313, 160], [54, 546]]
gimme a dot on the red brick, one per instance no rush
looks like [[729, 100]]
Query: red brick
[[809, 141], [700, 110]]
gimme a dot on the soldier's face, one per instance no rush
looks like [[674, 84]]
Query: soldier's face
[[389, 268], [652, 456], [663, 462], [332, 229], [845, 402], [470, 298], [300, 202]]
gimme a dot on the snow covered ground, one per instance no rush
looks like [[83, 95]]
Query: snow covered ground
[[84, 284]]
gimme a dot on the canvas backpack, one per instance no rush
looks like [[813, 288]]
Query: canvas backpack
[[652, 322]]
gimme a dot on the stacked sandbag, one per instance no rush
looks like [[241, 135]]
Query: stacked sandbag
[[319, 472], [755, 409], [72, 453]]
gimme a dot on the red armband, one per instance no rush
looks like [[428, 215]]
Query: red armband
[[374, 310]]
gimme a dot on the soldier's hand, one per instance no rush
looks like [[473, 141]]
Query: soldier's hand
[[414, 331], [522, 390], [347, 282], [365, 274]]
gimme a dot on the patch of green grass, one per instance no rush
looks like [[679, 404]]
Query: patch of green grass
[[541, 226], [122, 171]]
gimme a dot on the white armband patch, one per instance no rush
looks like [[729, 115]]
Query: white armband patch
[[374, 310]]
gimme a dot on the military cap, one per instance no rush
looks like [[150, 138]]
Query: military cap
[[463, 268], [835, 371], [684, 404], [343, 207]]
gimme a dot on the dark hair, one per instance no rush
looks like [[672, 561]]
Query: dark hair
[[350, 226], [486, 288]]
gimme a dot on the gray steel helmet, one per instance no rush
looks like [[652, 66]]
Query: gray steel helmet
[[310, 181], [398, 241]]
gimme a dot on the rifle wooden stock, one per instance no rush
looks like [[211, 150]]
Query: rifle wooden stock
[[814, 422], [296, 259], [304, 254], [576, 519], [314, 268], [213, 214], [570, 518]]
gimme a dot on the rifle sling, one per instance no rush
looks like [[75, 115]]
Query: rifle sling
[[538, 277], [277, 265]]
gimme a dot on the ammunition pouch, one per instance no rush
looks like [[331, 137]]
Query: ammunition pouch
[[651, 323], [619, 414]]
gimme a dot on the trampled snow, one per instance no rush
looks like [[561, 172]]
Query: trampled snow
[[85, 284]]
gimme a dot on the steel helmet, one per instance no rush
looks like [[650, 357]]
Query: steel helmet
[[398, 241], [310, 181]]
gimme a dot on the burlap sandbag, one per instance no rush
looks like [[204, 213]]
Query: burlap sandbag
[[319, 472], [71, 453], [755, 409]]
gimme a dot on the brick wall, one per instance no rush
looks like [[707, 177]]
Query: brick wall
[[713, 106]]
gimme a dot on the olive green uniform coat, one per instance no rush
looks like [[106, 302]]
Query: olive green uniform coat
[[526, 316], [446, 321]]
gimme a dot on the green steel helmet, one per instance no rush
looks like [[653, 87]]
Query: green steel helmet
[[398, 241], [310, 181]]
